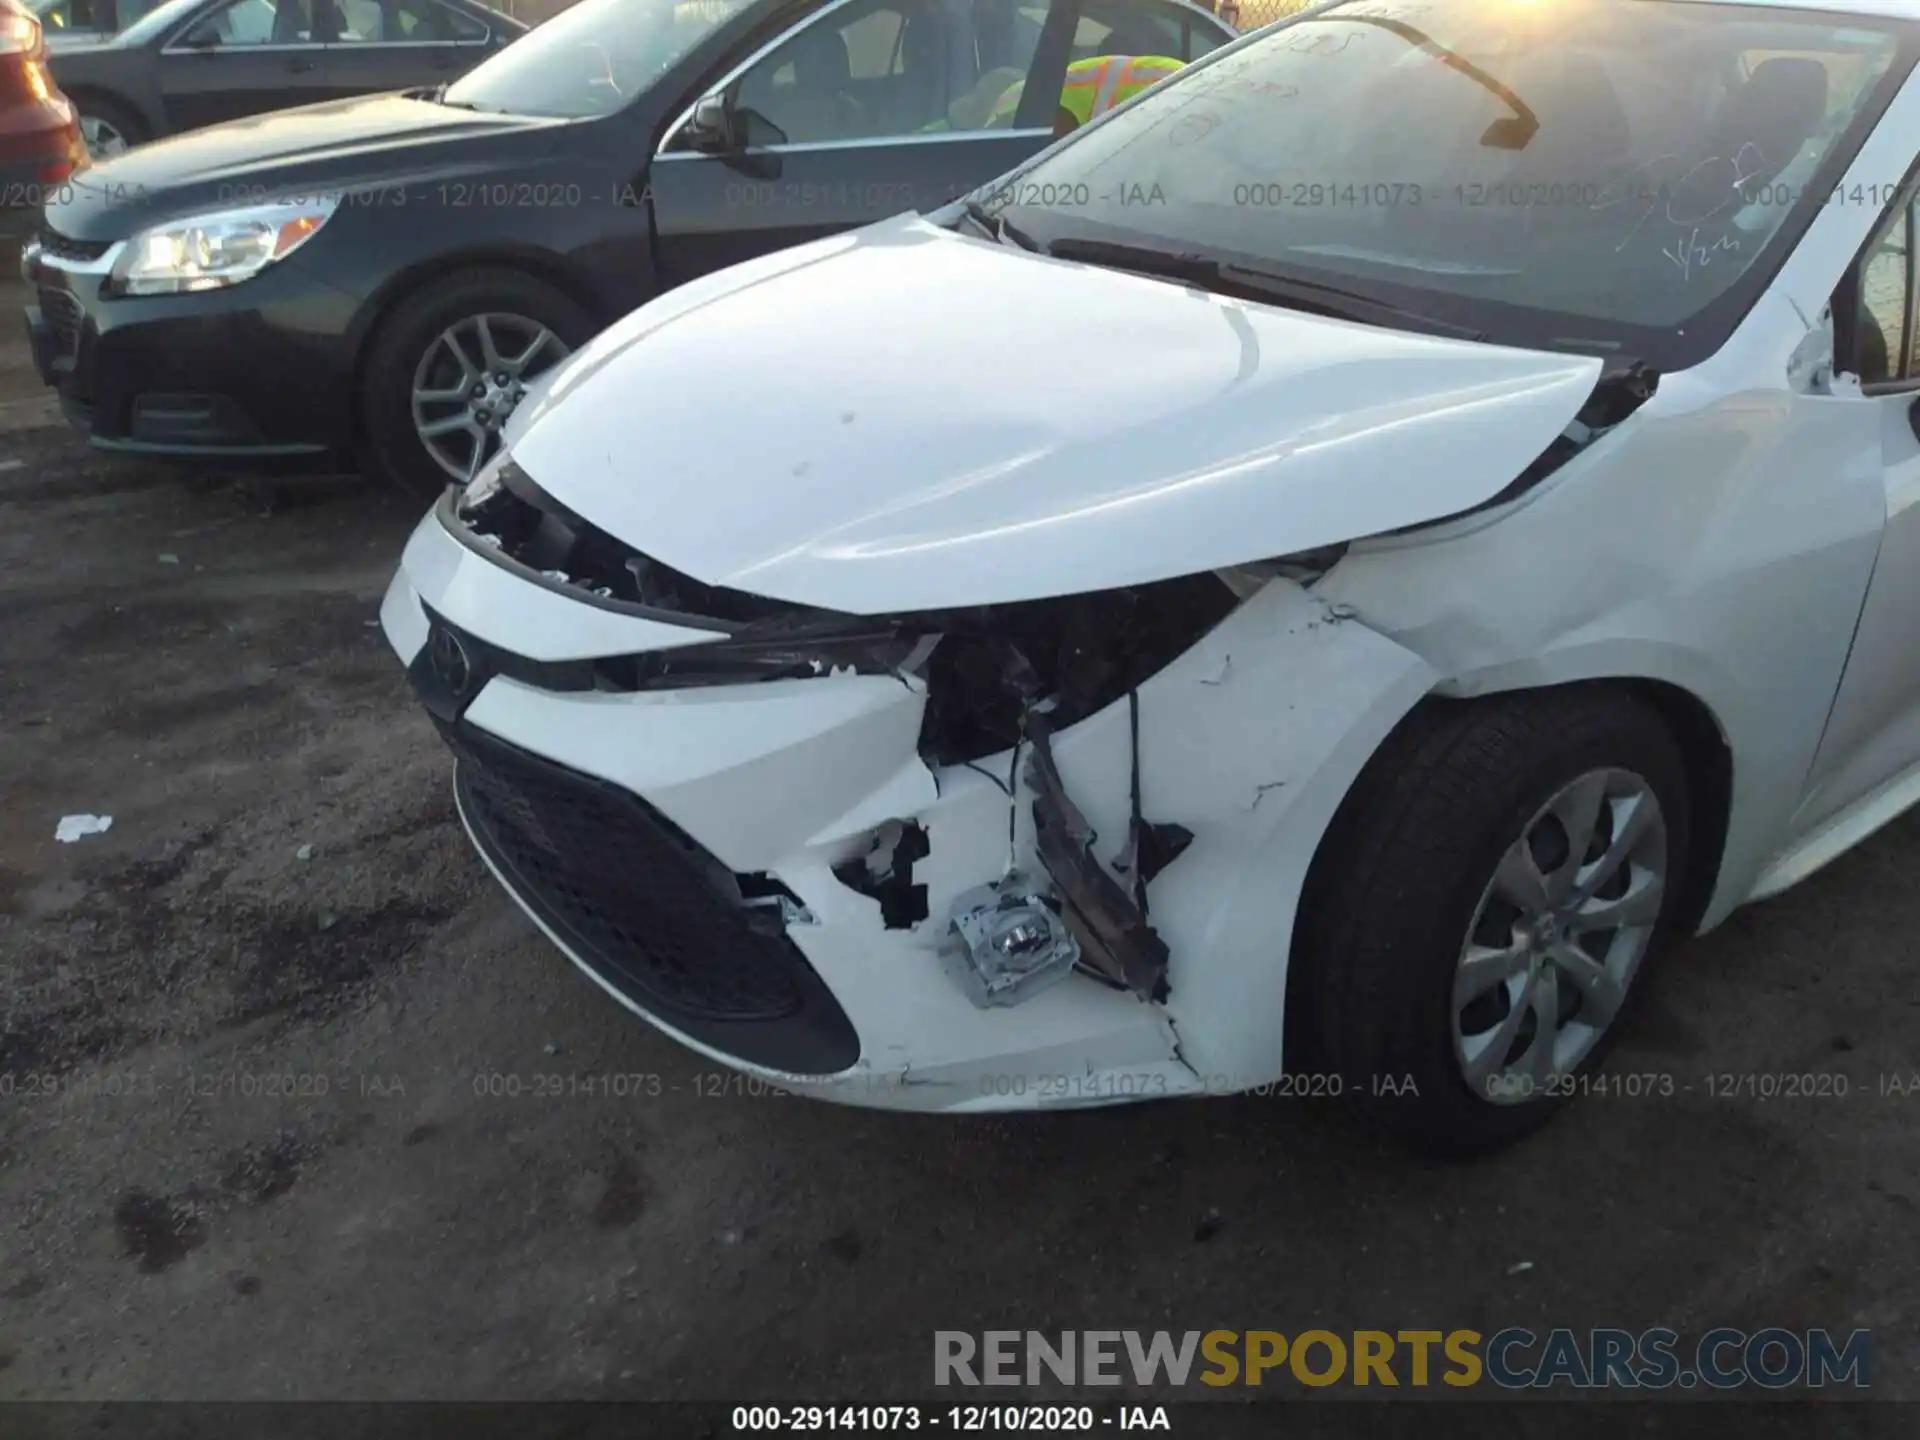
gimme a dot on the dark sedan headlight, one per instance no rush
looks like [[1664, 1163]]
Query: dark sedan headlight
[[211, 252]]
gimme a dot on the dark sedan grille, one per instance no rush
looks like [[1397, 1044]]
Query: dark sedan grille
[[632, 893], [63, 316], [63, 247]]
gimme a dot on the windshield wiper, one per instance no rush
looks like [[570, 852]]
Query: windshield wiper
[[1224, 276], [998, 227]]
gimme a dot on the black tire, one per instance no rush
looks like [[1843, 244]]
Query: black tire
[[122, 117], [391, 448], [1398, 879]]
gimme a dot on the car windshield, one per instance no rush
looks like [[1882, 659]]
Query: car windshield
[[1579, 174], [592, 59]]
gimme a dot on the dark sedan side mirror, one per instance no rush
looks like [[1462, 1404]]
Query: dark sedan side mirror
[[713, 128], [204, 36]]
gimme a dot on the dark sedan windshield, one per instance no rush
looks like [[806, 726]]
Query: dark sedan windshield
[[1560, 172], [592, 59]]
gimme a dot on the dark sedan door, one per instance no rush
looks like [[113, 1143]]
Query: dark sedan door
[[377, 45], [866, 109], [242, 57], [869, 108]]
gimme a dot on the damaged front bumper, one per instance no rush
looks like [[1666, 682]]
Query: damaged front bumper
[[772, 873]]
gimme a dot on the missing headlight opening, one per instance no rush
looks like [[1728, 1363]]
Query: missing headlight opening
[[1081, 652]]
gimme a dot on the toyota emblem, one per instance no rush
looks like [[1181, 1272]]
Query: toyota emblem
[[450, 662]]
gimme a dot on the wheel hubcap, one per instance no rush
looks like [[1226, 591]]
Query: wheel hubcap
[[1559, 935], [101, 137], [467, 384]]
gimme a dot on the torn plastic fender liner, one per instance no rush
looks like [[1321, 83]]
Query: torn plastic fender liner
[[885, 873], [1115, 939]]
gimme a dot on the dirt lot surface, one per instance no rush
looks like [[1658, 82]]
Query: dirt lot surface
[[175, 1223]]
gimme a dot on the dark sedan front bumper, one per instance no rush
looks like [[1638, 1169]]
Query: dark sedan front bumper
[[256, 377]]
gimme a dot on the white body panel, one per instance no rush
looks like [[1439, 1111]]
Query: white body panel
[[1727, 542]]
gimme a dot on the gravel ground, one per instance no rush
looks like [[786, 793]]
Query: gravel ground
[[247, 1148]]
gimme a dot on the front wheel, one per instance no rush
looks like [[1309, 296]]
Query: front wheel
[[108, 128], [449, 365], [1483, 906]]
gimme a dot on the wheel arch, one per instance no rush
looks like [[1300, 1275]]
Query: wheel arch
[[379, 307], [86, 90], [1689, 719], [1709, 761]]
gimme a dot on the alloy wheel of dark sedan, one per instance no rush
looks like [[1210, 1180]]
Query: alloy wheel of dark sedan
[[469, 381], [103, 137]]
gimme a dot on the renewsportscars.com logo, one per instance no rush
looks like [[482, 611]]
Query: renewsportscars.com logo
[[1511, 1359]]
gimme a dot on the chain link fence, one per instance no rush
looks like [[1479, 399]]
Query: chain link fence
[[1252, 14]]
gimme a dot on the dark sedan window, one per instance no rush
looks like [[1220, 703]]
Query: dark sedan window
[[157, 21], [403, 22], [592, 59], [874, 68], [98, 16], [256, 22]]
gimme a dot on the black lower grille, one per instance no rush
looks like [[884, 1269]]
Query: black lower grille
[[646, 909], [63, 316]]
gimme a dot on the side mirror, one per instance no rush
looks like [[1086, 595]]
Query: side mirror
[[713, 129], [205, 36]]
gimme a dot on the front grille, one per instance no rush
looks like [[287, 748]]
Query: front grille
[[63, 316], [644, 907], [64, 247]]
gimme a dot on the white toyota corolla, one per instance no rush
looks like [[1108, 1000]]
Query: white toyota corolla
[[1306, 584]]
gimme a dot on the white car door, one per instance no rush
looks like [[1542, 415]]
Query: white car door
[[1868, 765]]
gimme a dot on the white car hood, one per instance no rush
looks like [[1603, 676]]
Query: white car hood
[[907, 418]]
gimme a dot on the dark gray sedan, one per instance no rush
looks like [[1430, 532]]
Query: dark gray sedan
[[189, 63]]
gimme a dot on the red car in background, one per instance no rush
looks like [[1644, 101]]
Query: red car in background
[[40, 144]]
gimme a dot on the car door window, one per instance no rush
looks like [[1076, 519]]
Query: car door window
[[854, 75], [885, 69], [404, 22], [1142, 27], [1136, 29], [1884, 311], [77, 16], [256, 22]]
